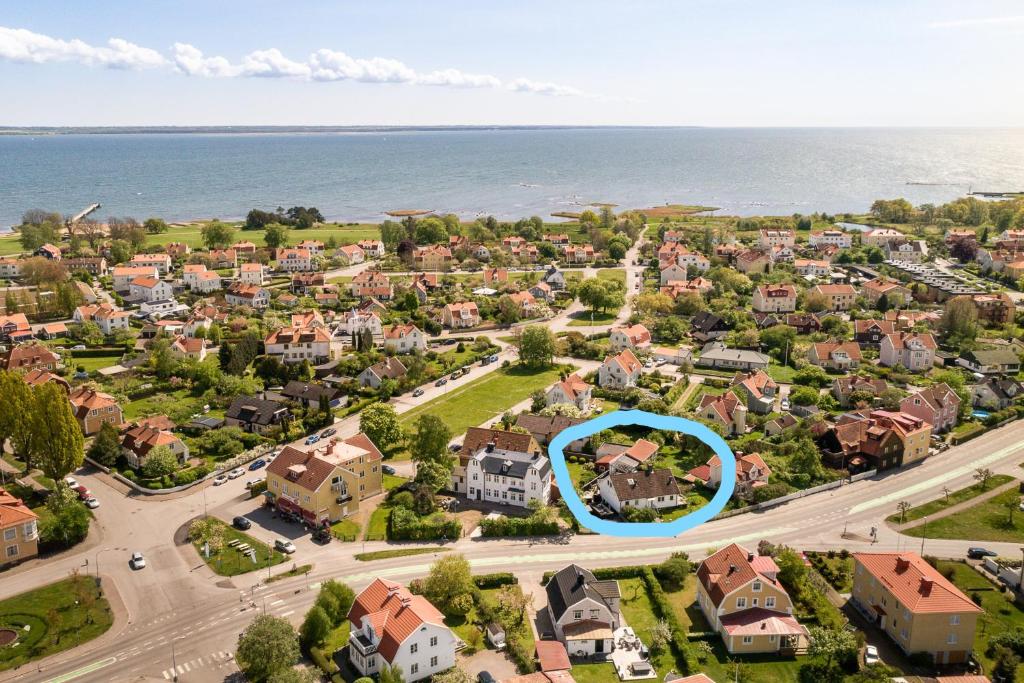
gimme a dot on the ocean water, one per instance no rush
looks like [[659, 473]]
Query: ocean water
[[505, 172]]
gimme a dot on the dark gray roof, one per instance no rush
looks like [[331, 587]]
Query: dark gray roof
[[503, 465], [643, 484], [705, 321], [572, 584], [254, 410], [309, 391]]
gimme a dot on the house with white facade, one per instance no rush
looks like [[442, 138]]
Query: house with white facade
[[915, 352], [640, 489], [508, 477], [771, 237], [775, 299], [571, 390], [620, 371], [404, 338], [208, 281], [123, 275], [672, 272], [296, 344], [149, 289], [835, 238], [629, 337], [241, 294], [583, 611], [162, 262], [253, 274], [295, 260]]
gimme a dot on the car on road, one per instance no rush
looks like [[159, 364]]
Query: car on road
[[236, 473], [83, 493], [494, 358], [387, 469], [78, 347], [978, 553], [417, 393], [312, 439], [256, 464], [220, 479], [871, 655], [242, 523], [441, 382], [322, 534], [784, 404], [485, 677], [331, 431], [137, 561], [285, 546], [92, 503], [252, 482]]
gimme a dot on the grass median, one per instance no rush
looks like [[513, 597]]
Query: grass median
[[954, 498], [228, 561]]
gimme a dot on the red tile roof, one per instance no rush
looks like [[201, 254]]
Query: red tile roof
[[914, 583], [394, 612]]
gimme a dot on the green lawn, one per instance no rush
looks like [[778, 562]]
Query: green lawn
[[477, 401], [377, 527], [10, 245], [59, 616], [781, 373], [393, 481], [583, 319], [345, 530], [344, 234], [160, 403], [230, 562], [398, 552], [996, 519], [955, 497], [1001, 614], [92, 363], [617, 274], [638, 612]]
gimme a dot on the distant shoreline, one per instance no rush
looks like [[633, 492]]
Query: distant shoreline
[[265, 130]]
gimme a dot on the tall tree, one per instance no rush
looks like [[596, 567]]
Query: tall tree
[[537, 346], [59, 441], [268, 645], [106, 446], [217, 235], [429, 440], [379, 421], [449, 577]]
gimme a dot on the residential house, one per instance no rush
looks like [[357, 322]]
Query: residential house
[[207, 282], [629, 337], [779, 425], [742, 599], [30, 356], [915, 605], [938, 405], [256, 415], [123, 276], [760, 390], [190, 273], [682, 355], [150, 289], [86, 292], [620, 371], [543, 428], [14, 326], [725, 410], [837, 238], [751, 474], [583, 611], [253, 274], [907, 251], [754, 261], [177, 250], [94, 265], [994, 361], [297, 344], [432, 257], [525, 302], [460, 315], [645, 488], [375, 375], [833, 355], [572, 390], [672, 273], [915, 352], [188, 347], [391, 627], [839, 297], [296, 260], [48, 251], [19, 530], [706, 326], [246, 248], [775, 238], [314, 247], [372, 284], [717, 355], [404, 338], [526, 253], [35, 378], [223, 258], [694, 261], [478, 440], [844, 387], [140, 439], [328, 482], [253, 296], [995, 393], [812, 267], [10, 268], [997, 308], [311, 394], [93, 408], [162, 262], [542, 292], [351, 254], [306, 284], [508, 476], [554, 278], [51, 331], [618, 457], [775, 299], [896, 295], [879, 237], [876, 439], [582, 253], [495, 277], [372, 248], [106, 316], [872, 332]]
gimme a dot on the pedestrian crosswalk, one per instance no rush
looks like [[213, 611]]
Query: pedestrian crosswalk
[[217, 660]]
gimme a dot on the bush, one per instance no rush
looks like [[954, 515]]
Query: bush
[[258, 488], [404, 525], [518, 526], [495, 580]]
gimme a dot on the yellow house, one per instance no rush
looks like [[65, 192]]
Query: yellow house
[[915, 605], [19, 535], [326, 484], [742, 598]]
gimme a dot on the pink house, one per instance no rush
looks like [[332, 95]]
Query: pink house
[[938, 404]]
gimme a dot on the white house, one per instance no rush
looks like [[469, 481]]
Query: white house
[[208, 281], [296, 344], [149, 289], [572, 390], [253, 274], [776, 238], [619, 372], [404, 338], [583, 611], [629, 337], [241, 294], [836, 238], [673, 272], [123, 275], [294, 260], [162, 262], [643, 488], [392, 627], [508, 477], [775, 299]]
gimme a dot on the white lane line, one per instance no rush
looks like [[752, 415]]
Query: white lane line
[[166, 675], [288, 613], [277, 602]]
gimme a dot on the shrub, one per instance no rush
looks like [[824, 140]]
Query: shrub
[[495, 580], [518, 526], [404, 525]]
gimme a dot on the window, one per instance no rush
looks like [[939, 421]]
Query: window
[[753, 602], [433, 641], [757, 586], [594, 614], [12, 551], [951, 639], [10, 534], [577, 614], [769, 601], [414, 668], [414, 647], [747, 640], [954, 619], [741, 602], [433, 661]]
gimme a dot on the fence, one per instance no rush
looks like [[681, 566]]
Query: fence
[[768, 504]]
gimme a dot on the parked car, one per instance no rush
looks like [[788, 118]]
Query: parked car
[[137, 561], [92, 503], [236, 473], [312, 439], [441, 382], [285, 546], [485, 677], [784, 404], [83, 493], [330, 431], [220, 479], [322, 534], [256, 464], [871, 655], [387, 469], [417, 392], [242, 523], [977, 553], [78, 347], [71, 482], [252, 482]]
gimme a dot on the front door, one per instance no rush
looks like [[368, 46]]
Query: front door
[[599, 645]]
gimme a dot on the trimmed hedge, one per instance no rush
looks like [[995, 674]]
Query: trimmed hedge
[[517, 526], [404, 525], [495, 580], [325, 664], [258, 488]]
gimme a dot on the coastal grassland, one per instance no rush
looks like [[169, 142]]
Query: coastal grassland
[[483, 399], [955, 497], [59, 616], [10, 245], [191, 234]]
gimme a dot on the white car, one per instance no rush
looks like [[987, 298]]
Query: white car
[[220, 479], [137, 561], [71, 482], [784, 404], [871, 655], [92, 503], [285, 546], [236, 473]]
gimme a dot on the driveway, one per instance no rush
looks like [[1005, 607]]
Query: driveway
[[491, 661]]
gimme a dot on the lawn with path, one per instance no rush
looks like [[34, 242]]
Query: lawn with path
[[954, 498], [995, 519], [230, 562]]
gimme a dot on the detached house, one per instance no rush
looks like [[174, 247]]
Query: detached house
[[725, 410], [760, 390], [572, 390], [123, 275], [895, 294], [840, 297], [915, 352], [641, 489], [433, 257], [508, 476], [93, 408], [742, 599], [372, 248], [872, 332], [844, 387], [253, 274], [460, 315], [776, 238], [254, 296], [938, 405], [1001, 361], [620, 371], [775, 299], [296, 344], [706, 326], [140, 439], [835, 355], [391, 627], [583, 611], [295, 260], [404, 339], [717, 355], [351, 254], [162, 262], [751, 474], [478, 440], [671, 273], [837, 238], [150, 289], [631, 337], [31, 356], [256, 415], [19, 530], [375, 375], [996, 393]]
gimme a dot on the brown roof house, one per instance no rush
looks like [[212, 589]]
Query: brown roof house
[[93, 408], [646, 488]]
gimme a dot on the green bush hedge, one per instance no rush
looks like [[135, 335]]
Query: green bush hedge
[[405, 525], [517, 526], [495, 580], [258, 488]]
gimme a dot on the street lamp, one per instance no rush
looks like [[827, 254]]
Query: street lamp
[[98, 553], [174, 662]]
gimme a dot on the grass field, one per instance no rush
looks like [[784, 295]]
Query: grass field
[[617, 274], [59, 616], [92, 363], [344, 234], [482, 399], [159, 403], [230, 562], [398, 552], [377, 527], [955, 497], [582, 319], [996, 519]]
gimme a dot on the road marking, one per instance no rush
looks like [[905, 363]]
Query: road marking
[[88, 669], [937, 480], [166, 675], [277, 602], [288, 613]]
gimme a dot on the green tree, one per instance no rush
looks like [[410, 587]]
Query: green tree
[[1006, 664], [155, 226], [537, 346], [434, 476], [804, 396], [391, 674], [343, 596], [60, 446], [161, 359], [295, 676], [14, 416], [217, 235], [267, 646], [792, 571], [314, 628], [959, 322], [160, 462], [276, 236], [106, 445], [673, 571], [831, 644], [448, 578], [452, 675], [508, 310], [379, 422], [429, 439]]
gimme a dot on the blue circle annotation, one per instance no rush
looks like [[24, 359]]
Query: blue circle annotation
[[619, 418]]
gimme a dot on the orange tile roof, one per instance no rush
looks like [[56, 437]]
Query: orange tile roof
[[914, 583], [13, 510], [394, 612]]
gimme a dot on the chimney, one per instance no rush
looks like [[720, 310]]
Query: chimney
[[490, 446], [926, 586], [750, 557], [732, 568], [902, 564]]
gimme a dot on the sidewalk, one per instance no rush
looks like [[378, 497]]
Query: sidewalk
[[959, 507]]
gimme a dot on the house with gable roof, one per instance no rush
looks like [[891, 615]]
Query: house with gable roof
[[583, 611], [620, 371], [915, 352], [759, 388], [629, 337], [938, 405], [572, 390], [725, 410]]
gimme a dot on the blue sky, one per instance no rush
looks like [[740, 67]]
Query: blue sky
[[688, 62]]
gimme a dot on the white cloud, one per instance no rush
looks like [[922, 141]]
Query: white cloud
[[543, 88], [22, 45], [985, 21]]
